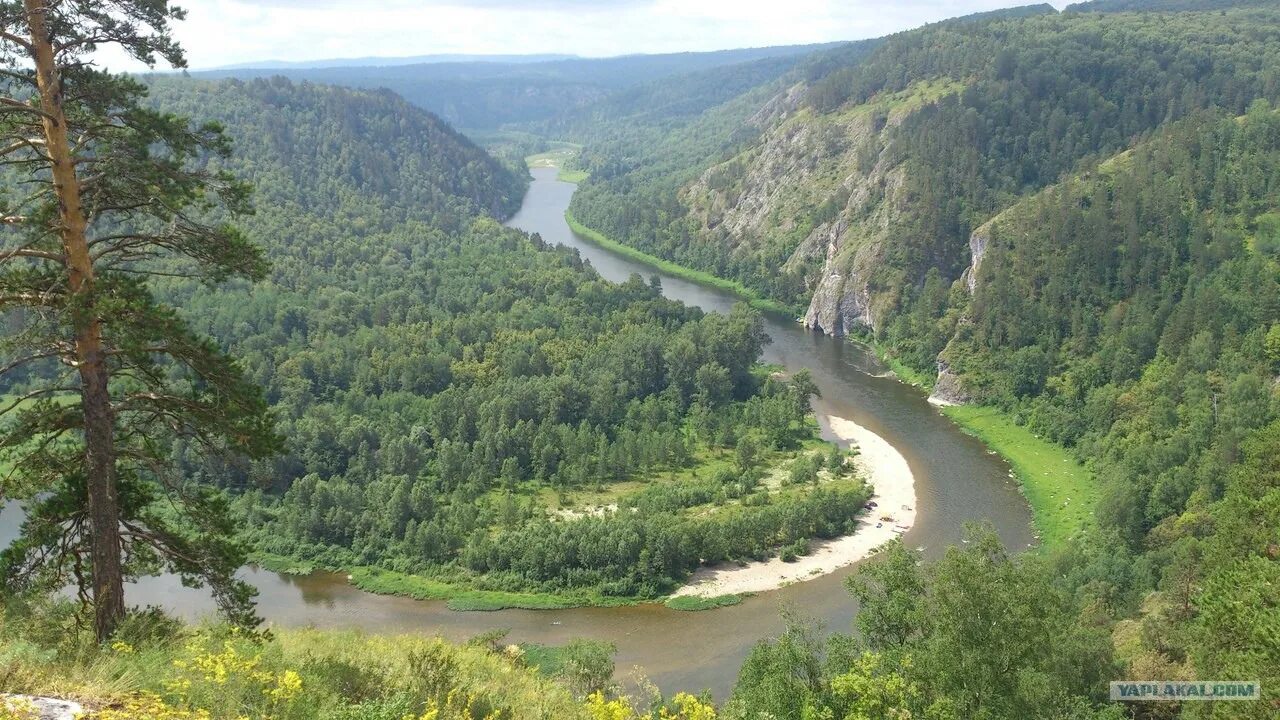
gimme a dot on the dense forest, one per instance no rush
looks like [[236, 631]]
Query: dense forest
[[445, 383], [1032, 97], [1070, 218], [1128, 311]]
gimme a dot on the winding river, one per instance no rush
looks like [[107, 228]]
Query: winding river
[[957, 481]]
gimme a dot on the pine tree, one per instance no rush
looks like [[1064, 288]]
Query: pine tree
[[101, 195]]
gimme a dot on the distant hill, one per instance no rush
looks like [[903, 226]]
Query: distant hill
[[1116, 6], [376, 61], [486, 95]]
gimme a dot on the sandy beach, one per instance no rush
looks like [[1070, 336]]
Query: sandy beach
[[887, 472]]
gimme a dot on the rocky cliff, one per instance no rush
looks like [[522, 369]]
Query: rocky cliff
[[820, 192]]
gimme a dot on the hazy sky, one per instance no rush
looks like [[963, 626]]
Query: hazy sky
[[222, 32]]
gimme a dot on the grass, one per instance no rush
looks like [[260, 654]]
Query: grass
[[693, 603], [587, 498], [457, 597], [169, 671], [751, 297], [281, 564], [546, 659], [1062, 493], [560, 157], [572, 176], [903, 371]]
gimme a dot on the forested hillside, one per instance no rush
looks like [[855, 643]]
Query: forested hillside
[[1132, 312], [359, 160], [874, 169], [445, 385], [1074, 218]]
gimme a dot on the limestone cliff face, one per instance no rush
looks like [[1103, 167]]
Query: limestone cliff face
[[843, 299], [822, 191], [948, 388], [771, 189], [978, 241]]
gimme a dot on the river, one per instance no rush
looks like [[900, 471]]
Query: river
[[957, 481]]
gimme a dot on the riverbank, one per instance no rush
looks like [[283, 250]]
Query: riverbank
[[380, 581], [1062, 493], [751, 297], [460, 597], [561, 159], [885, 469]]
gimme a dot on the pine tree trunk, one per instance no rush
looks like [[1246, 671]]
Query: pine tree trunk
[[99, 423]]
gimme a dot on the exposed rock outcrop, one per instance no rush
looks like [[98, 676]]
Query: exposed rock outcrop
[[948, 388], [827, 190], [44, 708], [978, 241], [840, 303], [779, 107]]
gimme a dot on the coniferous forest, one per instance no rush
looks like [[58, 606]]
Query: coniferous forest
[[275, 320]]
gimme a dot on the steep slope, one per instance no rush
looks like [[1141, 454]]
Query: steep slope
[[1129, 311], [1045, 92], [1132, 312], [318, 147], [833, 206], [790, 201], [1153, 275], [1078, 209], [639, 161]]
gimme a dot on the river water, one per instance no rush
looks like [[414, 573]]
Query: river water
[[957, 481]]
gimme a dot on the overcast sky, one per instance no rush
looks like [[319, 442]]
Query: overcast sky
[[223, 32]]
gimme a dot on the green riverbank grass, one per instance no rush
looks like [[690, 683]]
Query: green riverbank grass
[[1062, 493], [904, 372], [561, 158], [281, 564], [751, 297], [387, 582], [693, 603]]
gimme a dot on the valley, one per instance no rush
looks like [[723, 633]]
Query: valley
[[933, 374], [956, 481]]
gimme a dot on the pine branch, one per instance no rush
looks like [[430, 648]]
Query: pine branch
[[16, 40], [18, 105]]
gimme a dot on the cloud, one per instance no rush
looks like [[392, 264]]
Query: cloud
[[540, 6], [224, 32]]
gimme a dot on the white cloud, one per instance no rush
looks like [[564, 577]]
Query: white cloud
[[222, 32]]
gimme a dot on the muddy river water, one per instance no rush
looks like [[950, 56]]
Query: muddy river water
[[957, 481]]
